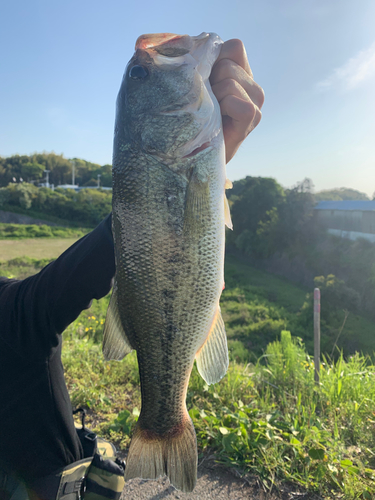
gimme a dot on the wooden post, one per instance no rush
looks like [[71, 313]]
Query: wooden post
[[316, 334]]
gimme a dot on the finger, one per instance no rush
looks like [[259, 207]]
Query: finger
[[245, 115], [235, 50], [229, 69], [229, 87], [239, 117]]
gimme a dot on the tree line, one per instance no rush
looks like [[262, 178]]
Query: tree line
[[86, 207], [32, 168], [275, 229]]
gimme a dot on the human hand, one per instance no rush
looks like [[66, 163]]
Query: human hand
[[240, 98]]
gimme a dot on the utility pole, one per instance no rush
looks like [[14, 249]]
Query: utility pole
[[317, 334], [73, 172], [99, 175], [47, 177]]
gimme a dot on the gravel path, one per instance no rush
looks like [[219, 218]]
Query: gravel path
[[214, 483]]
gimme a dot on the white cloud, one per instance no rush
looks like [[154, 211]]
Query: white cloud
[[353, 73]]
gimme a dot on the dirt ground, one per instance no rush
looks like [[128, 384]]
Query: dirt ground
[[214, 483]]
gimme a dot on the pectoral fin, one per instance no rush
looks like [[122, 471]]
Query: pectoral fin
[[115, 344], [227, 217], [212, 359], [197, 203]]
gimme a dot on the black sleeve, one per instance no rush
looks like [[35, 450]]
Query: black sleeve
[[34, 311]]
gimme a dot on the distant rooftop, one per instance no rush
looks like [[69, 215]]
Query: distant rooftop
[[361, 205], [79, 188]]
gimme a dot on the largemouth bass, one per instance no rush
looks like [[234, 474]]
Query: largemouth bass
[[169, 216]]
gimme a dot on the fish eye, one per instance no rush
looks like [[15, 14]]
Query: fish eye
[[138, 72]]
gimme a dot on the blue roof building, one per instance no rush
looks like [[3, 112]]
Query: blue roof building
[[362, 205], [351, 219]]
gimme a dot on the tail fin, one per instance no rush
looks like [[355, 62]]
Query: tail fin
[[174, 454]]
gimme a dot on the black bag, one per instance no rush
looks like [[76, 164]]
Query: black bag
[[99, 476], [105, 479], [105, 476]]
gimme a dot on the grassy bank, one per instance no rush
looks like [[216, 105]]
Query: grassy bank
[[267, 418], [257, 305], [44, 215], [22, 231], [12, 253]]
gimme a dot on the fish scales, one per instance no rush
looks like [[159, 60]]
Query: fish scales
[[168, 226]]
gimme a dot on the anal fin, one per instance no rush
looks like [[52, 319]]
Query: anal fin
[[212, 359], [115, 343]]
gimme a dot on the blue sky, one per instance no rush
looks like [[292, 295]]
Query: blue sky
[[61, 64]]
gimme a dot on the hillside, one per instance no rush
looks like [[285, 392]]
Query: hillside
[[267, 418], [256, 305], [274, 230], [87, 207]]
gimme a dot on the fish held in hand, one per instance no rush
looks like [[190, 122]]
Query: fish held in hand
[[169, 216]]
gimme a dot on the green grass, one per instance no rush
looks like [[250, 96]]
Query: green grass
[[41, 248], [45, 216], [20, 231], [36, 242], [257, 305], [267, 417], [259, 283], [22, 267]]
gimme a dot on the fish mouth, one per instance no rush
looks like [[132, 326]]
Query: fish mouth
[[187, 154], [198, 150], [207, 137], [193, 152], [200, 144], [159, 40], [195, 56]]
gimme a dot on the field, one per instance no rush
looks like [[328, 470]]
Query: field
[[36, 242], [46, 248], [266, 418]]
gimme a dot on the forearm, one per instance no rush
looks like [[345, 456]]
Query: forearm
[[83, 273], [34, 311]]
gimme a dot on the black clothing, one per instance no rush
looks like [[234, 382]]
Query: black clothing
[[37, 434]]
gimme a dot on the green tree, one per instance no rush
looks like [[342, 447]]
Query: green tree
[[21, 195], [32, 167], [254, 203], [32, 171], [251, 198], [4, 196], [340, 194], [297, 227]]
